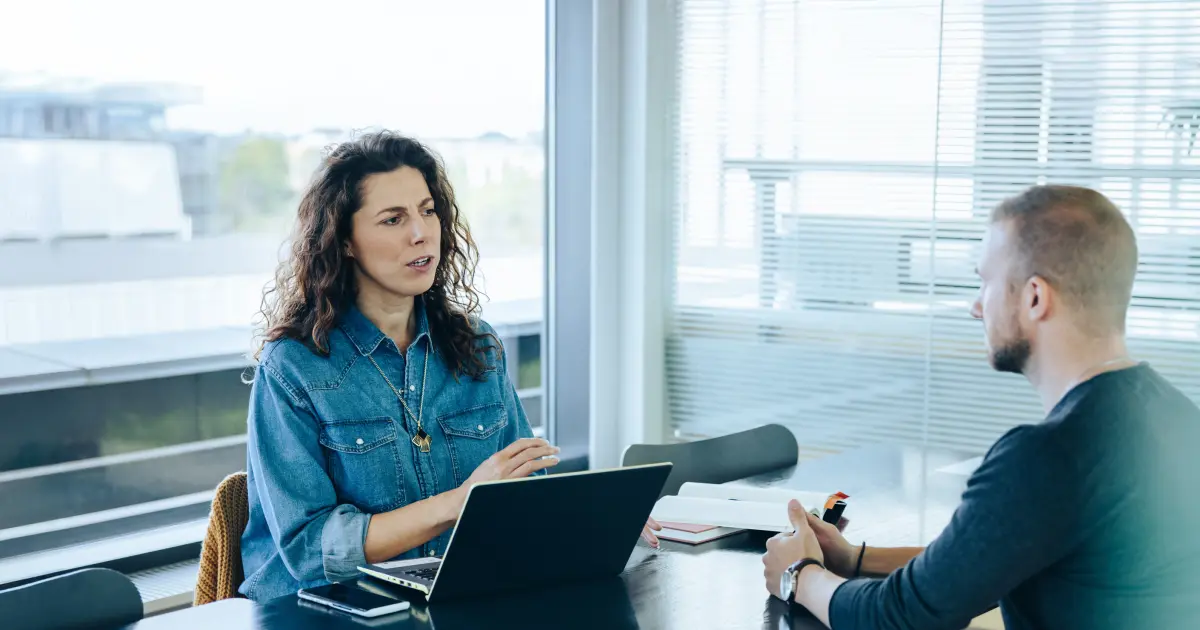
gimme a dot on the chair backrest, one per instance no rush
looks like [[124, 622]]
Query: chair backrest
[[720, 459], [88, 598], [220, 572]]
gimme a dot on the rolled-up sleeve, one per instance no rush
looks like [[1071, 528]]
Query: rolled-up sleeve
[[316, 537], [342, 541]]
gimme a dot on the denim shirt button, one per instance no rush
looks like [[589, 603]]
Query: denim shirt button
[[479, 428], [359, 441]]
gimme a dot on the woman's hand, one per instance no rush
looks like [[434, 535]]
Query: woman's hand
[[648, 530], [519, 459]]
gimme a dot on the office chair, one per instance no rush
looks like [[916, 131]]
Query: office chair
[[721, 459], [220, 573], [88, 598]]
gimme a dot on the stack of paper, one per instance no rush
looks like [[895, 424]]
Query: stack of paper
[[731, 507], [693, 534]]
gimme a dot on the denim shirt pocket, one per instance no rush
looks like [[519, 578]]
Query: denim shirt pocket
[[473, 435], [363, 463]]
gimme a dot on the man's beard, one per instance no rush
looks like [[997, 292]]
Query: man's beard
[[1012, 357]]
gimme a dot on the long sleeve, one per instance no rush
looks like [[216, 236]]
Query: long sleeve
[[1018, 515], [317, 537]]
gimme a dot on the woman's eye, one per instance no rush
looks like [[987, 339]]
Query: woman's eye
[[429, 211], [391, 220]]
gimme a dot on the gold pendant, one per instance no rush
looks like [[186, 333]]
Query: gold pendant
[[422, 440]]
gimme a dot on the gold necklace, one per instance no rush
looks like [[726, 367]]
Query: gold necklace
[[421, 440], [1099, 366]]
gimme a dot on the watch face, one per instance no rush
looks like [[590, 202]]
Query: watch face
[[787, 583]]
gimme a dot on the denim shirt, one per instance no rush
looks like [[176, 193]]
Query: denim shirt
[[330, 445]]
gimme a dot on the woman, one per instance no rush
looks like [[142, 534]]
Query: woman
[[378, 399]]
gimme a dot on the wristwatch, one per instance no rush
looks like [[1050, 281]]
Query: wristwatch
[[787, 581]]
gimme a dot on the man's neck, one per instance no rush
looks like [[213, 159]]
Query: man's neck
[[391, 313], [1071, 360]]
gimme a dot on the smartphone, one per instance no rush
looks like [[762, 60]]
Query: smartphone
[[354, 600]]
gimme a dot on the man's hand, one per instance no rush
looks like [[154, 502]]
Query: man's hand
[[784, 550], [840, 555]]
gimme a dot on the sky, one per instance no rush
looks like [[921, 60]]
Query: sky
[[450, 68]]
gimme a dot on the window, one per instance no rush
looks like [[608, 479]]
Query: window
[[149, 175], [836, 163]]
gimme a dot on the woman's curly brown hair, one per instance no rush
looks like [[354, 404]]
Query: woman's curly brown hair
[[316, 284]]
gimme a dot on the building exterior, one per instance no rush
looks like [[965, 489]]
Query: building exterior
[[198, 155], [53, 108], [110, 139], [128, 295]]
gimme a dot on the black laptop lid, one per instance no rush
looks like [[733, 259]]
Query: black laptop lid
[[553, 529]]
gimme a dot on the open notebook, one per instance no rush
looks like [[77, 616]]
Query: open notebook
[[703, 512]]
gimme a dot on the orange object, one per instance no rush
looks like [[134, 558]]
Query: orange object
[[834, 498]]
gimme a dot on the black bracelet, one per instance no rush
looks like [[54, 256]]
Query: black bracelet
[[861, 552]]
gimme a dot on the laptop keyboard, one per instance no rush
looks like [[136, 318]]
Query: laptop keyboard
[[424, 574]]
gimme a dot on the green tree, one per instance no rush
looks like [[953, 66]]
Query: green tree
[[254, 183], [505, 213]]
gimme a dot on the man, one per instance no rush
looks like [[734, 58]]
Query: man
[[1088, 520]]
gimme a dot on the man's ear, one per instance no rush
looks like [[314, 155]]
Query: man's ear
[[1038, 298]]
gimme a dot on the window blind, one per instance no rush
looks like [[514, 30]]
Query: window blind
[[836, 162]]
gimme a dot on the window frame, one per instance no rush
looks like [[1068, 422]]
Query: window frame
[[609, 231], [142, 550]]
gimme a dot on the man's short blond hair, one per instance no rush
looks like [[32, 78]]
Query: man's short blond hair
[[1078, 241]]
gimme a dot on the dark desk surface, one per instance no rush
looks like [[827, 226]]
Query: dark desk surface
[[898, 496]]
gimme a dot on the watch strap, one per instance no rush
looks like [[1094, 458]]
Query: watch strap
[[797, 566], [795, 569]]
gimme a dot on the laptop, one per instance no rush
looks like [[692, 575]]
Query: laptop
[[521, 533]]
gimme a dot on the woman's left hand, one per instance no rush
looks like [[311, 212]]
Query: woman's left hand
[[648, 530]]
